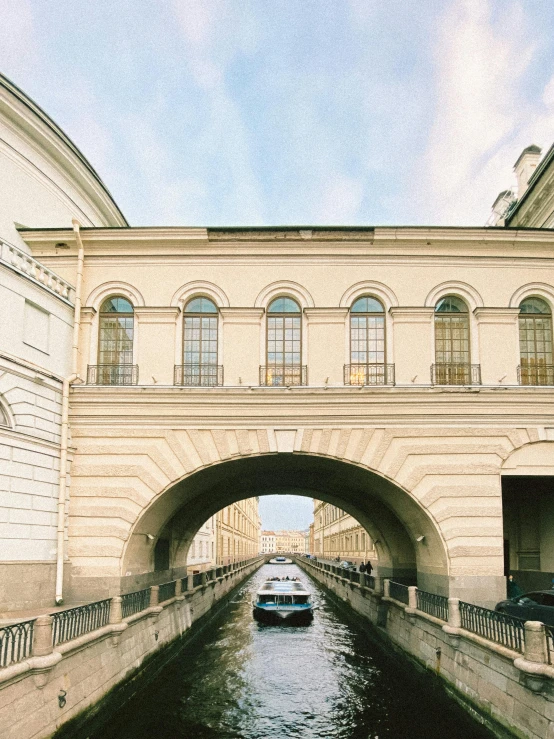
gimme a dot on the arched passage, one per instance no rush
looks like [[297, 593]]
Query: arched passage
[[406, 538], [528, 514]]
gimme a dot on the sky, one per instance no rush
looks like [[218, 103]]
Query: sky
[[292, 512], [250, 112]]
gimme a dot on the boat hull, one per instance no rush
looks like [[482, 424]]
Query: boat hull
[[274, 616]]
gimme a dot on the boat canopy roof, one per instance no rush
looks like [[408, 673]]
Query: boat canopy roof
[[283, 587]]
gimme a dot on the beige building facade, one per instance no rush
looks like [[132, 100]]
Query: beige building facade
[[44, 179], [386, 371], [290, 541], [238, 528], [337, 535]]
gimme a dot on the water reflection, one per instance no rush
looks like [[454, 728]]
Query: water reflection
[[244, 680]]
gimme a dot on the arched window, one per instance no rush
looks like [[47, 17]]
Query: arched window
[[452, 357], [115, 344], [284, 344], [367, 343], [200, 340], [535, 343]]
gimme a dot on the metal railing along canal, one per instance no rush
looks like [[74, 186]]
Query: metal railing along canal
[[433, 604], [494, 626], [399, 592], [167, 591], [136, 602], [16, 642], [74, 622]]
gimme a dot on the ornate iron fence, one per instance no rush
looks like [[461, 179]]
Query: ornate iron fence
[[112, 374], [370, 581], [541, 374], [284, 375], [196, 580], [354, 576], [74, 622], [167, 591], [135, 602], [494, 626], [455, 373], [198, 375], [16, 642], [399, 592], [434, 605], [184, 584], [369, 374]]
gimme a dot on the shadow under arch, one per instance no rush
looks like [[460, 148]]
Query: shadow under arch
[[392, 517]]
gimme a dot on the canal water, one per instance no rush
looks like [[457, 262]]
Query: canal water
[[243, 680]]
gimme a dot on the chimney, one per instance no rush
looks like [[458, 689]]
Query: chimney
[[525, 167], [500, 207]]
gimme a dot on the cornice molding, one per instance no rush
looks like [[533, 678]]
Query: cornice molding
[[157, 314], [496, 315], [326, 316], [29, 121], [242, 316], [412, 314]]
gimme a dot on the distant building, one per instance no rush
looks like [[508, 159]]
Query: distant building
[[336, 534], [202, 554], [268, 542], [290, 541]]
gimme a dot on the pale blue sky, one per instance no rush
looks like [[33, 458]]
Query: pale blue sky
[[286, 512], [207, 112]]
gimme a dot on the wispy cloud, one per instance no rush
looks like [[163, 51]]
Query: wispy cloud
[[482, 116], [219, 112]]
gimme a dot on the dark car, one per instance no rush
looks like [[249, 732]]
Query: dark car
[[536, 606], [346, 565]]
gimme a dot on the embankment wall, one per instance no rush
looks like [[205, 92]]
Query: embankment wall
[[512, 696], [43, 693]]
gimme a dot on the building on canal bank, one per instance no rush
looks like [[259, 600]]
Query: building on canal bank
[[290, 541], [337, 535], [238, 529], [269, 542]]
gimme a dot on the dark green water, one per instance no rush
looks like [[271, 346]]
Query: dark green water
[[242, 680]]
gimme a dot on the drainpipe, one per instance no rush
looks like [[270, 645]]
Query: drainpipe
[[63, 487]]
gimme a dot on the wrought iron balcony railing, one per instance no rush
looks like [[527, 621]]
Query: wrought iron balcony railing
[[540, 374], [198, 375], [455, 373], [112, 374], [369, 374], [284, 375]]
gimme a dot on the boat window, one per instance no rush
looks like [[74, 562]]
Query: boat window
[[284, 599], [301, 599]]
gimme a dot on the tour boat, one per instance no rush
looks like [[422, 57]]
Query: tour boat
[[280, 561], [280, 600]]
